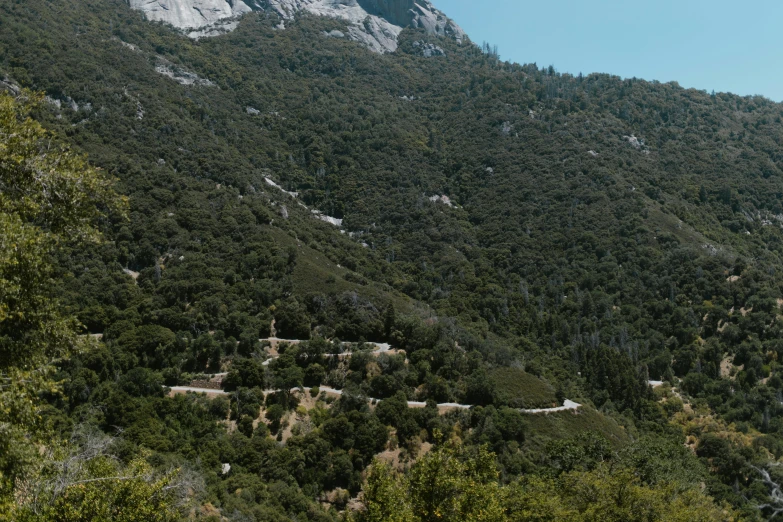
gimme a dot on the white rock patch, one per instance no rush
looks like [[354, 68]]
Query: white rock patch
[[317, 213], [429, 50], [373, 23], [328, 219], [181, 76], [442, 199], [190, 14], [637, 143], [223, 27], [278, 187]]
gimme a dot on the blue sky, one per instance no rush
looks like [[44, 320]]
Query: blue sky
[[721, 45]]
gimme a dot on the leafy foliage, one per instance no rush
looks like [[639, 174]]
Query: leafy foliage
[[49, 197], [454, 484]]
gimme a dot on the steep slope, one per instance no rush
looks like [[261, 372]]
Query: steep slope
[[592, 231]]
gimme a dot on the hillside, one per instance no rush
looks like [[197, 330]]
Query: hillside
[[524, 236]]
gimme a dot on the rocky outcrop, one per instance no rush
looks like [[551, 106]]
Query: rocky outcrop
[[375, 23], [429, 50], [398, 12], [190, 14], [180, 75]]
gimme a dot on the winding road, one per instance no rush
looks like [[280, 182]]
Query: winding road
[[379, 349], [567, 405]]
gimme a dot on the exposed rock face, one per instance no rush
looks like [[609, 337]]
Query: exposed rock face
[[428, 50], [190, 14], [375, 23], [10, 86], [181, 76], [399, 12]]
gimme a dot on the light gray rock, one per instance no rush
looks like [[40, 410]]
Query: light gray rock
[[428, 50], [634, 141], [334, 34], [181, 76], [7, 84], [54, 102], [637, 143], [441, 199], [375, 23], [66, 102], [222, 27], [190, 14], [328, 219]]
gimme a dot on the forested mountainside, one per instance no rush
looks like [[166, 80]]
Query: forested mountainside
[[518, 236]]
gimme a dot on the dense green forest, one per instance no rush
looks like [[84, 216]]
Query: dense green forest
[[519, 236]]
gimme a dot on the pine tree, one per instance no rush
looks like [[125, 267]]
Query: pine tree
[[389, 320]]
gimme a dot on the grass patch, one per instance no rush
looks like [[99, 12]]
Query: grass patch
[[520, 389], [543, 428], [315, 272]]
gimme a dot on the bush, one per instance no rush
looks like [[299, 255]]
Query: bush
[[219, 407], [314, 375], [275, 415], [245, 425]]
